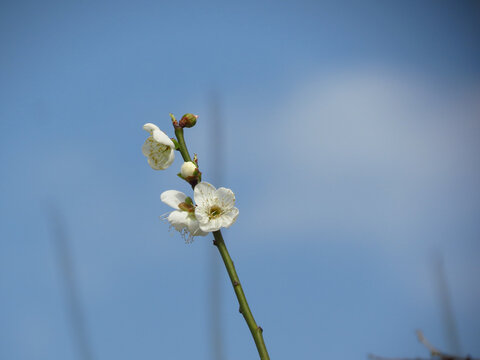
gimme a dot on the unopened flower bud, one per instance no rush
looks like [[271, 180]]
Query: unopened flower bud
[[188, 169], [188, 120]]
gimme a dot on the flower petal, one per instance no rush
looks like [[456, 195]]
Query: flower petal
[[150, 127], [171, 157], [229, 217], [194, 227], [173, 198], [211, 225], [159, 155], [147, 147], [178, 219], [204, 193], [201, 213], [226, 198], [163, 139], [158, 135]]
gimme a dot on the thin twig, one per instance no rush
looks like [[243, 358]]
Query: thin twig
[[434, 352], [375, 357]]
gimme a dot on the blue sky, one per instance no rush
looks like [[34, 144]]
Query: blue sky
[[351, 134]]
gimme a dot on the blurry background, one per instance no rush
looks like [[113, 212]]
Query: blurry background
[[350, 138]]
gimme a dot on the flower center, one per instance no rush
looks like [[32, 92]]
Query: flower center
[[214, 212]]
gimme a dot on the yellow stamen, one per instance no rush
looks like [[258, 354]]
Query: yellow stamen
[[214, 212]]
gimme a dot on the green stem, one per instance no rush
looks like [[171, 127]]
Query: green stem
[[181, 142], [242, 301]]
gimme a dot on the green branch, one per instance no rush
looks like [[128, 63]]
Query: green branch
[[257, 331], [182, 147]]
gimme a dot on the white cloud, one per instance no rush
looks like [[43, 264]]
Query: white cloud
[[377, 151]]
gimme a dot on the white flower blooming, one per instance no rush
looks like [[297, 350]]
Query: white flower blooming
[[183, 217], [158, 148], [215, 207], [188, 169]]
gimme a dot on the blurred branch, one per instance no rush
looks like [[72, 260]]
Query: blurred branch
[[375, 357], [217, 331], [435, 353], [70, 286], [444, 295]]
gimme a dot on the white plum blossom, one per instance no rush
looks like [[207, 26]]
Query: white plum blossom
[[215, 207], [183, 217], [158, 148], [188, 169]]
